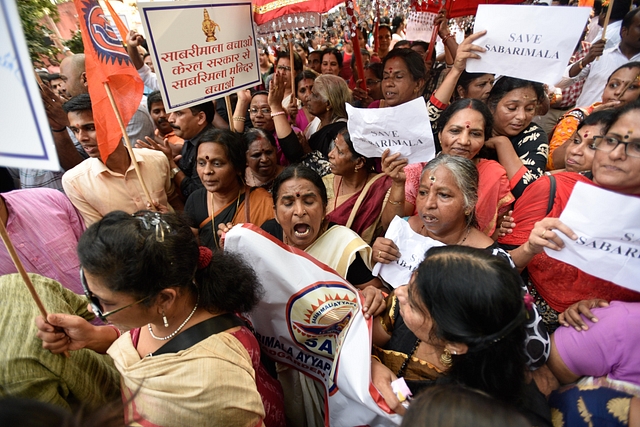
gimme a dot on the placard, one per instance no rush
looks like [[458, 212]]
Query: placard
[[30, 144], [404, 128], [528, 42], [201, 50], [608, 246], [420, 26]]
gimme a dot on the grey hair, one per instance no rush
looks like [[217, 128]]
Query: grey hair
[[335, 91], [466, 176]]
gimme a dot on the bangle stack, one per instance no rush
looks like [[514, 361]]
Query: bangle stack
[[447, 37], [239, 119]]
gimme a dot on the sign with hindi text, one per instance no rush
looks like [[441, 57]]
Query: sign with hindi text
[[608, 245], [201, 50], [528, 42], [30, 143], [404, 128]]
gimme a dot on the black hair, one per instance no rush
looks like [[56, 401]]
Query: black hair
[[402, 44], [259, 92], [303, 45], [621, 11], [376, 68], [234, 147], [315, 52], [420, 43], [396, 22], [254, 134], [54, 76], [44, 76], [453, 405], [297, 61], [80, 102], [599, 117], [413, 61], [628, 65], [475, 298], [363, 52], [335, 52], [145, 55], [619, 112], [365, 33], [384, 26], [302, 172], [369, 164], [504, 85], [207, 107], [473, 104], [304, 74], [465, 80], [153, 98], [128, 257]]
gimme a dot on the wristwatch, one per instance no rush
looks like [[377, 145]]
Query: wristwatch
[[174, 172]]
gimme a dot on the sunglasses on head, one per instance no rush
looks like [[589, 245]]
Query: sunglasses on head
[[96, 306]]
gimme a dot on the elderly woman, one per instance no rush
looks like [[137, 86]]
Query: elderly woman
[[262, 161], [557, 286], [356, 193], [225, 198], [445, 205], [623, 87], [143, 274], [461, 319]]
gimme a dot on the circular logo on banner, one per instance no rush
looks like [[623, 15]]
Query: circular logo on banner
[[103, 38], [318, 314]]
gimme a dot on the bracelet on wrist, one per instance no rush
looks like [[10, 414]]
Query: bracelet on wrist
[[376, 358], [447, 37], [393, 202], [581, 64], [239, 119], [277, 113]]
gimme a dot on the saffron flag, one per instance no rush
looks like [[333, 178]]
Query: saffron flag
[[107, 62], [311, 319], [122, 28]]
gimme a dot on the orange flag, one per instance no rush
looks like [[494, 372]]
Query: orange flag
[[107, 62], [122, 29]]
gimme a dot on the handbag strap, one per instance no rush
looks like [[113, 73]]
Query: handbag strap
[[552, 193], [199, 332], [247, 209]]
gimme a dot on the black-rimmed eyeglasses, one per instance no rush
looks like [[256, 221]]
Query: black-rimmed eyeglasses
[[609, 143], [96, 306]]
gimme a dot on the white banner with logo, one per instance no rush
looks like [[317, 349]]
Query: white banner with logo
[[201, 50], [404, 128], [608, 245], [528, 42], [308, 319], [412, 247], [29, 143]]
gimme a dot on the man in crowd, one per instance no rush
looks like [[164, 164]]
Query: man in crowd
[[96, 187]]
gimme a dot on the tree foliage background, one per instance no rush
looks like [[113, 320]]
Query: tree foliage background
[[37, 35]]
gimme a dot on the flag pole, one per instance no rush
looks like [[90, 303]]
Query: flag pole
[[127, 142], [227, 101], [27, 280], [606, 23]]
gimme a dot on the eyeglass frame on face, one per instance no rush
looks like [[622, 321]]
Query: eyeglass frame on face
[[598, 139], [283, 67], [96, 306], [255, 111]]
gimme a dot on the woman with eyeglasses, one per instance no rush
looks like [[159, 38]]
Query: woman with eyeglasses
[[559, 288], [185, 357]]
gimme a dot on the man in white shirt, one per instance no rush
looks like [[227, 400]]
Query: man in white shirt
[[597, 72]]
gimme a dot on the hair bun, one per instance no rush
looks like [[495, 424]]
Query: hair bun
[[204, 257]]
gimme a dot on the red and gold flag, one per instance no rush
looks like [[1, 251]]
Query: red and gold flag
[[107, 62]]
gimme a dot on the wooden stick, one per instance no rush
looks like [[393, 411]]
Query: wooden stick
[[27, 280], [293, 72], [627, 84], [606, 20], [227, 101], [128, 143]]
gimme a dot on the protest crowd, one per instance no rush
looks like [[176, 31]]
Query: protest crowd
[[150, 317]]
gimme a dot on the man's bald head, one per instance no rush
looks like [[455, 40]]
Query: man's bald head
[[72, 72]]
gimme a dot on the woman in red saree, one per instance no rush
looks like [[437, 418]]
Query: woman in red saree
[[356, 193]]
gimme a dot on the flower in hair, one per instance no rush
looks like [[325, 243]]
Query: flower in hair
[[204, 257]]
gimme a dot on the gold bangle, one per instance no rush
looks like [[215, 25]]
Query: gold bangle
[[580, 64], [394, 203], [376, 358], [239, 119]]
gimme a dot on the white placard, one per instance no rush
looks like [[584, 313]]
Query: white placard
[[30, 144], [404, 128], [412, 247], [420, 26], [608, 229], [528, 42], [201, 50]]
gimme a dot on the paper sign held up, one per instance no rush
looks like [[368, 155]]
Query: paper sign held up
[[31, 146], [201, 50], [607, 247], [404, 128], [528, 42]]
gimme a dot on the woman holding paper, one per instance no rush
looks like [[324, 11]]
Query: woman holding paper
[[356, 193], [558, 287], [461, 319], [462, 129], [186, 358]]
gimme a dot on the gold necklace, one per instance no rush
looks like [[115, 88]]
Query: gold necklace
[[213, 221]]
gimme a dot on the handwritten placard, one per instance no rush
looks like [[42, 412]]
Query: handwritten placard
[[30, 145], [201, 50], [607, 248], [527, 42], [412, 247], [404, 128], [420, 26]]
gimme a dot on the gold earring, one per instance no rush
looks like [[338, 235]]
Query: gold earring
[[445, 358]]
